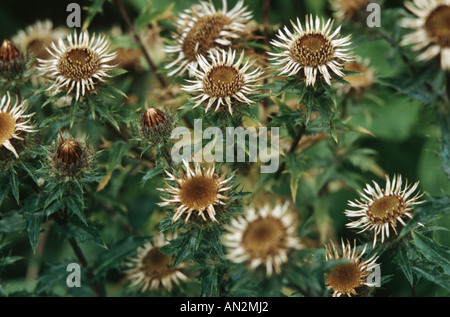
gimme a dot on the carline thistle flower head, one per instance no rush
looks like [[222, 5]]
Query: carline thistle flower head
[[78, 65], [431, 27], [382, 209], [315, 49], [151, 269], [262, 237], [196, 191], [35, 39], [13, 121], [223, 82], [345, 278], [203, 29]]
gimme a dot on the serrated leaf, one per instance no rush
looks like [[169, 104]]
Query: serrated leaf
[[29, 172], [217, 244], [12, 222], [56, 193], [76, 207], [52, 277], [9, 260], [151, 173], [118, 151], [431, 273], [433, 251], [405, 264], [83, 232], [34, 225], [210, 282], [435, 208], [116, 253], [107, 115], [184, 253], [14, 184]]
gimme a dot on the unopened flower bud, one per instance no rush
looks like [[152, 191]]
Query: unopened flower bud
[[8, 52], [70, 157], [156, 125], [153, 117], [69, 151], [12, 61]]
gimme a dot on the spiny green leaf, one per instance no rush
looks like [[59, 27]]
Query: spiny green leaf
[[432, 273], [435, 208], [118, 151], [151, 173], [84, 232], [433, 251], [12, 222], [116, 253], [14, 183], [9, 260], [34, 225], [52, 277], [76, 207], [404, 264]]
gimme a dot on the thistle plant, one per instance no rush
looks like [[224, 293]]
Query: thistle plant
[[215, 149]]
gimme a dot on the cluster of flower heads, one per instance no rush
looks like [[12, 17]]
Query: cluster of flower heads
[[260, 237], [203, 45], [379, 210]]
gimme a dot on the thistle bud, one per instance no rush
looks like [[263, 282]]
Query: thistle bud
[[12, 61], [153, 117], [156, 125], [70, 157], [69, 151], [8, 52]]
